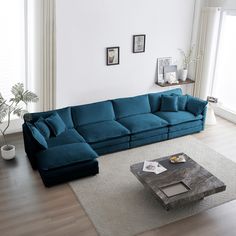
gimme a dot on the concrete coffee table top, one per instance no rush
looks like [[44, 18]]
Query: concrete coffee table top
[[192, 180]]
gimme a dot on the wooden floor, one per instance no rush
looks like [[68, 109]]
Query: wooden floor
[[28, 208]]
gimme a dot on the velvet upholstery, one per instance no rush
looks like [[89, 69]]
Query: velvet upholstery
[[64, 113], [130, 106], [195, 105], [174, 118], [155, 98], [142, 122], [102, 131], [92, 113], [43, 128], [182, 101], [105, 127], [169, 103], [69, 154], [67, 137], [56, 124], [37, 136]]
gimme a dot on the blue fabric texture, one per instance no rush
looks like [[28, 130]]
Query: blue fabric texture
[[69, 154], [180, 133], [38, 137], [131, 106], [155, 98], [56, 124], [143, 122], [182, 101], [102, 131], [67, 137], [64, 113], [92, 113], [43, 128], [195, 105], [110, 142], [186, 125], [113, 148], [174, 118], [169, 103]]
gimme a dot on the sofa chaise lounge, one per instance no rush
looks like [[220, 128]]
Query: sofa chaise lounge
[[64, 144]]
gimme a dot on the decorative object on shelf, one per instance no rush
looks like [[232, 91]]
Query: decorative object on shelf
[[187, 59], [14, 106], [113, 56], [170, 74], [161, 63], [180, 82], [139, 43]]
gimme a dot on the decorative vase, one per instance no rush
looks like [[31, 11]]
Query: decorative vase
[[183, 74], [8, 152]]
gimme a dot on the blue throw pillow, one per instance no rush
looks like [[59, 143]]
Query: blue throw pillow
[[182, 101], [56, 124], [169, 103], [195, 105], [37, 136], [41, 125]]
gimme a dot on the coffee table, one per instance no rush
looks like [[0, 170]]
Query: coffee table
[[180, 184]]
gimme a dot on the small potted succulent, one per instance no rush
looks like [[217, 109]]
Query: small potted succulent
[[14, 106], [187, 59]]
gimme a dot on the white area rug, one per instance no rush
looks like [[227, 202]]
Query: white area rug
[[117, 202]]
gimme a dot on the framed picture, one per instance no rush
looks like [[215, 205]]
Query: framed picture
[[113, 56], [161, 63], [139, 43]]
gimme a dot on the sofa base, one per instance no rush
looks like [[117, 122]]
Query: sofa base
[[149, 140], [111, 149], [180, 133], [68, 173]]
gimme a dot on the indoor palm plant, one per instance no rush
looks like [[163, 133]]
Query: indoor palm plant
[[187, 59], [14, 106]]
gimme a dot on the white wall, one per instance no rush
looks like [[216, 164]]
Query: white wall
[[227, 4], [86, 27]]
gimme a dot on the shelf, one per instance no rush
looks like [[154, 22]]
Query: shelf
[[187, 81]]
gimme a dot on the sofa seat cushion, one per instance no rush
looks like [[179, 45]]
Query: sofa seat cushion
[[142, 122], [65, 155], [174, 118], [186, 125], [67, 137], [102, 131]]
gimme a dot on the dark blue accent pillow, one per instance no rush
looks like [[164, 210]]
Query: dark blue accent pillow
[[169, 103], [37, 136], [43, 128], [56, 124], [182, 101], [195, 105]]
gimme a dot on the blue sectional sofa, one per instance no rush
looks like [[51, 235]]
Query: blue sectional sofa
[[64, 144]]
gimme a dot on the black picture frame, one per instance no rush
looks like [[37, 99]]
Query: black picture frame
[[112, 56], [139, 43]]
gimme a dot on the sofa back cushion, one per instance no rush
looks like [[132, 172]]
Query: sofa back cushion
[[124, 107], [92, 113], [155, 98], [64, 113]]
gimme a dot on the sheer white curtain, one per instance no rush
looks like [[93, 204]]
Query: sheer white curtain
[[207, 46], [41, 52]]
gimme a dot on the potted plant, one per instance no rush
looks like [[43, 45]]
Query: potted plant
[[15, 106], [187, 59]]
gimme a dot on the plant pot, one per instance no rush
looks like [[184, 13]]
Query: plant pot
[[183, 74], [8, 152]]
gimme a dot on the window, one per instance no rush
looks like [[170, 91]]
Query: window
[[224, 86], [12, 45]]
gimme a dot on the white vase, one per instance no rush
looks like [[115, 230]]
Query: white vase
[[183, 74], [8, 152]]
